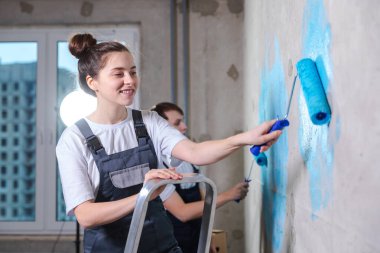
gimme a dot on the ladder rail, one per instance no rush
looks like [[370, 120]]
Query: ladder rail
[[141, 207]]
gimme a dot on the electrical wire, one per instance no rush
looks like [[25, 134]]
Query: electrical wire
[[58, 237]]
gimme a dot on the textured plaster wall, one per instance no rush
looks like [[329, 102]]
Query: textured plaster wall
[[216, 68], [216, 91], [319, 191]]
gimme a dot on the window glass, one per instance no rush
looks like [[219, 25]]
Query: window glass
[[66, 83], [18, 68]]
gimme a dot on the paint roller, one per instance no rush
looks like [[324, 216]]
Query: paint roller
[[316, 101], [315, 97]]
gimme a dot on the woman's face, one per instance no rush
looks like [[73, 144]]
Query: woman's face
[[117, 82], [175, 119]]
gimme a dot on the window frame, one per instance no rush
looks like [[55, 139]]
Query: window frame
[[47, 39]]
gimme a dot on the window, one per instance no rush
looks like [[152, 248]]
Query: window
[[18, 78], [36, 73]]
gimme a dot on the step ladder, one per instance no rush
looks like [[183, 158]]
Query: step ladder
[[142, 204]]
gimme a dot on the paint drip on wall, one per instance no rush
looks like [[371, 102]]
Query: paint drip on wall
[[315, 147], [272, 104]]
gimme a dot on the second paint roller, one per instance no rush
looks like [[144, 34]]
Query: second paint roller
[[315, 97]]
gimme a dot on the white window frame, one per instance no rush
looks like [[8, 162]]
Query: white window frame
[[47, 113]]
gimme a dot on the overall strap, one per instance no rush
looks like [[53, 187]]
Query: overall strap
[[140, 129], [92, 141]]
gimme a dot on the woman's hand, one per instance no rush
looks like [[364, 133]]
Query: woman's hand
[[169, 173], [260, 136]]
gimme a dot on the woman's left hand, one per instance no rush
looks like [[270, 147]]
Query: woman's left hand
[[169, 173], [161, 174]]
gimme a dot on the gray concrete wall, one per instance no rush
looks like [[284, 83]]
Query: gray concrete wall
[[216, 69], [320, 191], [216, 97]]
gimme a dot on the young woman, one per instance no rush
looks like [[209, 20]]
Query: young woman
[[105, 158]]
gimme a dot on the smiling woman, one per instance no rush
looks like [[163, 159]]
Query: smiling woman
[[115, 83], [108, 72]]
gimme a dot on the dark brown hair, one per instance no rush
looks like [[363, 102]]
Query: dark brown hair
[[92, 56], [163, 107]]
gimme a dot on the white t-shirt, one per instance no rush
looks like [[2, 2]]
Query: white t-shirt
[[78, 171]]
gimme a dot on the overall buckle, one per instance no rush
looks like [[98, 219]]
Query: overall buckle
[[94, 144]]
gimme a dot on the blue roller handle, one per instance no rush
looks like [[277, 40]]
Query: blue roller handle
[[278, 125]]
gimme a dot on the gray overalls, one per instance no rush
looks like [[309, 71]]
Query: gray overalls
[[121, 176]]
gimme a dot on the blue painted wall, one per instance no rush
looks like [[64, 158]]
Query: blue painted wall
[[273, 102], [315, 147], [315, 143]]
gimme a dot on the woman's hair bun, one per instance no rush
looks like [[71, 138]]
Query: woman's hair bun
[[79, 44]]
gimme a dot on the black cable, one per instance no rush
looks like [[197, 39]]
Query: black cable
[[58, 237], [77, 238]]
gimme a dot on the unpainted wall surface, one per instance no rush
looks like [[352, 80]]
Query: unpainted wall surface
[[216, 67], [319, 191]]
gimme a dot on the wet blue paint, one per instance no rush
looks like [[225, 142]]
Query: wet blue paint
[[273, 102], [315, 147], [322, 71]]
